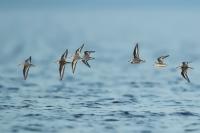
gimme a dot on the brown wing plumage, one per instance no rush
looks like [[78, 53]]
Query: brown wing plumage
[[61, 71], [74, 62], [25, 71]]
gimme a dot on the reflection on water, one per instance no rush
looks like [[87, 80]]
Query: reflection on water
[[112, 96]]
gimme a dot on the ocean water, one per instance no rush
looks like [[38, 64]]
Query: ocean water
[[111, 97]]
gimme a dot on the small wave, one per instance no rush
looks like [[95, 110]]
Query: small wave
[[29, 85], [12, 89], [31, 128], [4, 107], [153, 114], [32, 115], [150, 84], [134, 84], [126, 114], [145, 131], [132, 98], [185, 113], [55, 88], [78, 115], [192, 130], [111, 120], [94, 84]]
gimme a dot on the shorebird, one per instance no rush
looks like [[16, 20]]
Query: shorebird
[[87, 57], [76, 58], [62, 63], [26, 66], [136, 58], [184, 67], [160, 61]]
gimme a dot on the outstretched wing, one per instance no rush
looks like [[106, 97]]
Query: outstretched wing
[[136, 51], [187, 78], [25, 72], [64, 56], [89, 52], [86, 63], [184, 74], [80, 49], [74, 62], [28, 60], [165, 56], [61, 71], [161, 58]]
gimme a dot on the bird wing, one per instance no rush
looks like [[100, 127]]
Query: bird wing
[[86, 63], [28, 60], [64, 56], [86, 53], [160, 60], [25, 71], [185, 76], [80, 49], [165, 56], [135, 51], [61, 71], [89, 52], [138, 52], [74, 62]]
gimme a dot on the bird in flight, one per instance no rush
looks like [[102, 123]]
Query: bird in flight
[[184, 68], [136, 57], [87, 57], [76, 58], [26, 66], [62, 62], [160, 61]]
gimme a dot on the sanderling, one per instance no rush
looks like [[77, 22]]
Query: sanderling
[[26, 66], [160, 61], [136, 58], [184, 67], [62, 63], [87, 57], [76, 58]]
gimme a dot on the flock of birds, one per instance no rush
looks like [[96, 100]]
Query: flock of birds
[[62, 62], [87, 56], [160, 62]]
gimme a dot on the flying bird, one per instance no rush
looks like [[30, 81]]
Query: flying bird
[[62, 63], [26, 66], [76, 58], [136, 57], [184, 68], [160, 61], [87, 57]]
